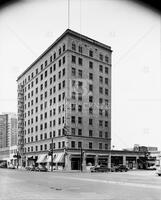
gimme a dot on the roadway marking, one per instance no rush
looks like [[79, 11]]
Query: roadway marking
[[114, 182]]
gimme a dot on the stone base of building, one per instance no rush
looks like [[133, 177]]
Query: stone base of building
[[82, 160]]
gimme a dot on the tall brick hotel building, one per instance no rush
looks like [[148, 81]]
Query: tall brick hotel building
[[64, 104]]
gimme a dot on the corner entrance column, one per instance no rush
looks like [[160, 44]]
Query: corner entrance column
[[96, 160], [67, 162], [84, 162], [124, 160], [109, 161]]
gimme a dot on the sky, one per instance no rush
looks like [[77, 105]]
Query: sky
[[28, 27]]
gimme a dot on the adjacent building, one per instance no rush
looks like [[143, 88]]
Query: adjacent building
[[8, 137]]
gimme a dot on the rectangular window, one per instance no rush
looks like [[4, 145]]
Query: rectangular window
[[54, 56], [106, 91], [100, 112], [63, 59], [59, 51], [72, 144], [106, 123], [79, 108], [73, 71], [59, 62], [80, 61], [80, 49], [101, 79], [101, 57], [100, 134], [106, 59], [100, 145], [79, 132], [90, 87], [51, 58], [90, 64], [100, 90], [106, 70], [79, 120], [90, 133], [79, 144], [46, 73], [79, 96], [64, 72], [106, 81], [73, 131], [73, 107], [100, 68], [54, 67], [73, 59], [90, 76], [90, 121], [90, 99], [73, 95], [73, 119], [64, 47], [90, 53], [80, 73], [90, 110], [90, 145], [100, 123]]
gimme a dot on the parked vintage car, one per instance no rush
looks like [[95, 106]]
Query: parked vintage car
[[119, 168], [30, 168], [41, 168], [99, 168], [3, 165], [11, 166]]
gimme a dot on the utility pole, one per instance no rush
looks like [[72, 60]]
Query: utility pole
[[17, 155], [81, 159], [52, 154]]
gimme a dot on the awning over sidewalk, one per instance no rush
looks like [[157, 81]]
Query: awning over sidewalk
[[42, 158], [48, 158], [59, 158]]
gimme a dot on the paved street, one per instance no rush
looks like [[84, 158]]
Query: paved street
[[25, 185]]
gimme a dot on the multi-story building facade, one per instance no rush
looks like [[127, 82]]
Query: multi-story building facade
[[8, 137], [4, 141], [65, 97]]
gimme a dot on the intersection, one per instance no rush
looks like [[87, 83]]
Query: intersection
[[27, 185]]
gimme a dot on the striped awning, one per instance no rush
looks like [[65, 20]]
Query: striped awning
[[42, 158], [59, 158], [48, 158]]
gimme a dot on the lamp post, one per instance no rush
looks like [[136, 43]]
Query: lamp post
[[81, 159], [17, 155], [51, 154]]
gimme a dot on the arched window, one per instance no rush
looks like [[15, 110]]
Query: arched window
[[73, 46], [80, 49]]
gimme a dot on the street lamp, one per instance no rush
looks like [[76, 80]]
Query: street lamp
[[81, 158], [18, 156], [51, 154]]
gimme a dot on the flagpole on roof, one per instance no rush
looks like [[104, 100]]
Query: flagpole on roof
[[68, 14]]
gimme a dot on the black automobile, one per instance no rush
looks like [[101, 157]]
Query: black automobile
[[3, 165], [121, 168], [99, 168], [41, 168], [30, 168]]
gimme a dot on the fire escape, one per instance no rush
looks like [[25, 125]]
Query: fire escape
[[21, 122]]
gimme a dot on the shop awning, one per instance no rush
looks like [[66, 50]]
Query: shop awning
[[59, 158], [48, 158], [42, 158]]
